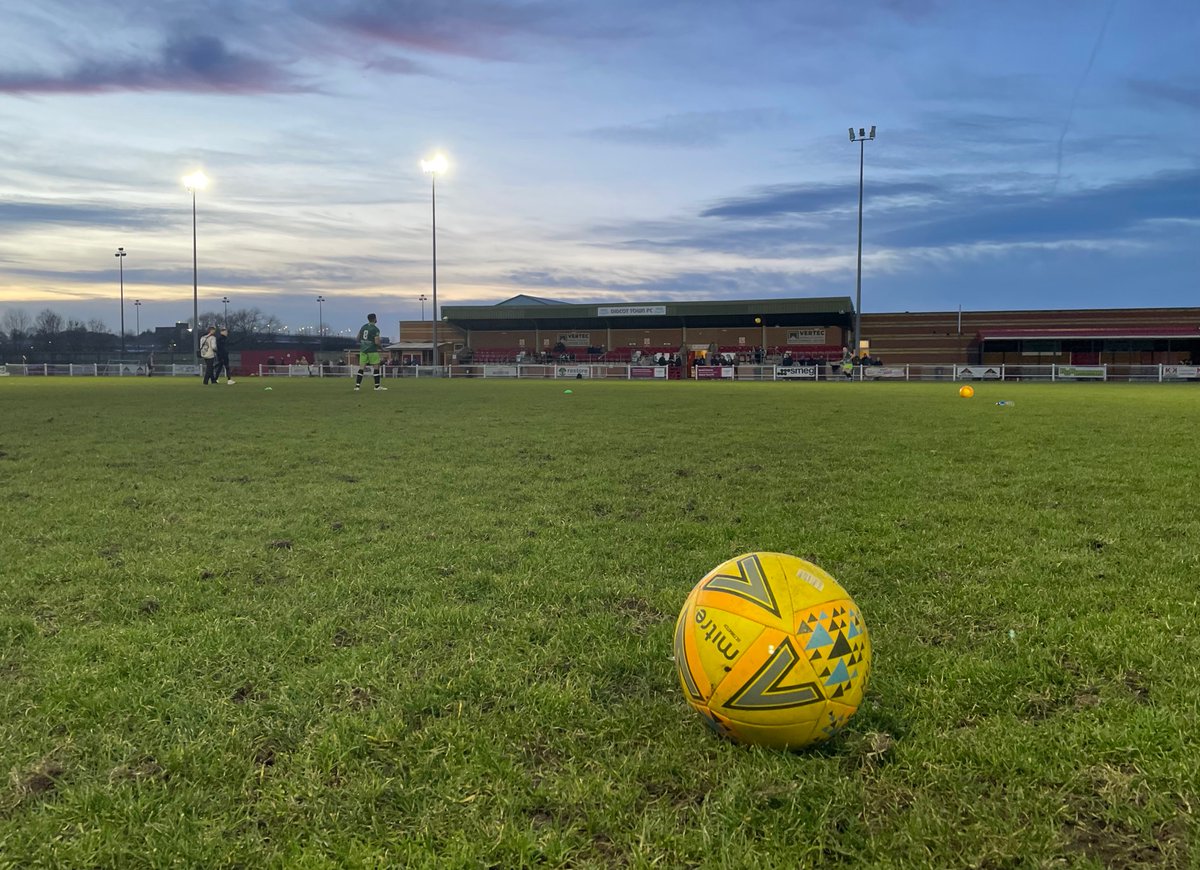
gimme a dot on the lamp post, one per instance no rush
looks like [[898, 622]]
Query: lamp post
[[195, 181], [432, 167], [137, 316], [120, 255], [423, 299], [862, 138], [320, 323], [225, 316]]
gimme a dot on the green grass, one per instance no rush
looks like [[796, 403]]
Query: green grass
[[433, 627]]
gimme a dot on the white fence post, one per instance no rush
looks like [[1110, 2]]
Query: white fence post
[[1160, 372]]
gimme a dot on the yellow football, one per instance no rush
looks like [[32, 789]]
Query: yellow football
[[772, 651], [966, 391]]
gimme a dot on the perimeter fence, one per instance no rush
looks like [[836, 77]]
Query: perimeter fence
[[1160, 373]]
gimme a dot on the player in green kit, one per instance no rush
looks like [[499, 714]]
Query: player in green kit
[[369, 345]]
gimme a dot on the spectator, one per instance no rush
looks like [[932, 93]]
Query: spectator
[[208, 353], [222, 356]]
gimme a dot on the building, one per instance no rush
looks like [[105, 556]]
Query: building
[[526, 327], [1117, 336]]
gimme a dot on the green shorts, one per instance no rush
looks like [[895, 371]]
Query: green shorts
[[368, 359]]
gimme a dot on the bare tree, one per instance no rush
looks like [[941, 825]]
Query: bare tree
[[16, 322], [48, 323], [96, 325]]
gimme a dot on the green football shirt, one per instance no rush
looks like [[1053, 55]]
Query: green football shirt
[[367, 335]]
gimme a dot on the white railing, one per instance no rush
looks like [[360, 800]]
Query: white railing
[[1156, 373]]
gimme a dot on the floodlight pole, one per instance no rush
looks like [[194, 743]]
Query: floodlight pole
[[137, 314], [863, 136], [433, 215], [192, 183], [320, 323], [225, 302], [120, 255], [195, 284], [433, 167]]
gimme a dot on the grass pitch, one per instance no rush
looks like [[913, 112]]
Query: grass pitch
[[433, 626]]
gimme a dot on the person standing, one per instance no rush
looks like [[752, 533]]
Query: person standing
[[208, 353], [369, 346], [223, 356]]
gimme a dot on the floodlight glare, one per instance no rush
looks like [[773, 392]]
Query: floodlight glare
[[195, 181], [435, 165]]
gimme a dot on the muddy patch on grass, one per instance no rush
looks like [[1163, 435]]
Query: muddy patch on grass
[[1135, 684], [265, 756], [1116, 843], [245, 693], [355, 697], [144, 769], [640, 614], [343, 638], [282, 544], [39, 779]]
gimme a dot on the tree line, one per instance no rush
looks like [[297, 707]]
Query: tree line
[[49, 333]]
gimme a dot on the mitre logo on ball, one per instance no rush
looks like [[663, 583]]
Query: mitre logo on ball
[[771, 650]]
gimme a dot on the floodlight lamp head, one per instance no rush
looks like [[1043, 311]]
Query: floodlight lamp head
[[872, 132], [851, 134], [195, 181], [435, 165], [862, 134]]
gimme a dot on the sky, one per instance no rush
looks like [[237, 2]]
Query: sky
[[1028, 155]]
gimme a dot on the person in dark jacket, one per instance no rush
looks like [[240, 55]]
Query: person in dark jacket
[[223, 356]]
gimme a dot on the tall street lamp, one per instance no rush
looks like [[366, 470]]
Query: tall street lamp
[[225, 302], [863, 137], [320, 323], [195, 181], [423, 299], [120, 255], [432, 167], [137, 316]]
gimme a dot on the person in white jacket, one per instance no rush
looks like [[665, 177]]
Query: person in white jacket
[[208, 353]]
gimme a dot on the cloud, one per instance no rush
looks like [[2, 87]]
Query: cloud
[[1091, 213], [197, 64], [793, 199], [1187, 95], [18, 213], [480, 29], [694, 129]]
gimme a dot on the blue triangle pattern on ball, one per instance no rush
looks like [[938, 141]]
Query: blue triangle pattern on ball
[[840, 675], [820, 637]]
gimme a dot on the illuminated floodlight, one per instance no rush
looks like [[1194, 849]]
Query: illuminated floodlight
[[436, 165], [195, 181]]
